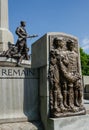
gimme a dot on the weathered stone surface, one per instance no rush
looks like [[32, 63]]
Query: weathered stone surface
[[4, 13], [44, 90], [18, 126], [86, 86], [18, 94], [6, 36], [72, 123], [40, 52], [85, 80], [86, 104]]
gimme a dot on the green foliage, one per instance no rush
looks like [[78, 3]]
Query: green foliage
[[84, 62]]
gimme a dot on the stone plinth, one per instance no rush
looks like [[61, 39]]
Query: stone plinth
[[18, 94], [40, 60], [69, 123]]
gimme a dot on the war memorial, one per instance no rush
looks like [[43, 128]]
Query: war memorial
[[46, 92]]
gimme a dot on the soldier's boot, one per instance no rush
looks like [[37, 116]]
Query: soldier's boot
[[80, 98], [71, 100], [51, 99], [65, 99], [20, 60], [76, 98], [55, 100], [60, 101], [71, 97], [61, 106]]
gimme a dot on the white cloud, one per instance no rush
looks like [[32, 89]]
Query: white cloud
[[85, 47], [85, 43]]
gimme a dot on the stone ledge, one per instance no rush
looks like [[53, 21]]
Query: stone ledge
[[18, 126], [11, 62], [13, 118]]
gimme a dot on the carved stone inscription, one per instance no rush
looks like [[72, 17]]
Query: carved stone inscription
[[66, 91]]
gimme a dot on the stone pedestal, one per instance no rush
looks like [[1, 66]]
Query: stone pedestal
[[16, 93], [19, 100], [19, 96], [69, 123], [40, 60]]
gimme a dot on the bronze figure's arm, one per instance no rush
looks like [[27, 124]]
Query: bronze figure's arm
[[32, 36]]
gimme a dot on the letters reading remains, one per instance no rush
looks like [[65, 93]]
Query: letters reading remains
[[66, 90]]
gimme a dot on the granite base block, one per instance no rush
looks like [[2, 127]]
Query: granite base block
[[69, 123]]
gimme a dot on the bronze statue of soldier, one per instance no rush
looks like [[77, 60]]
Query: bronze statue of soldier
[[22, 41], [20, 50]]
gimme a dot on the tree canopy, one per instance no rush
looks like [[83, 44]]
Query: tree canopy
[[84, 62]]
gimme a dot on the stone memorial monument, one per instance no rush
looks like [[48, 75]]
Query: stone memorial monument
[[61, 90], [46, 93]]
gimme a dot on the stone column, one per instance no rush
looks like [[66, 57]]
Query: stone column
[[6, 36]]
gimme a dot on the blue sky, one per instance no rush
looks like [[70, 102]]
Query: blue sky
[[42, 16]]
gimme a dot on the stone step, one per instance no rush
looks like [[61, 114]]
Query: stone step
[[18, 126], [69, 123]]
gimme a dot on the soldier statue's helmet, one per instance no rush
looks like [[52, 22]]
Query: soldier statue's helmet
[[23, 23], [57, 41], [69, 43]]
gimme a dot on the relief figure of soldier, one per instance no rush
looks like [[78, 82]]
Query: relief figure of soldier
[[56, 98]]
